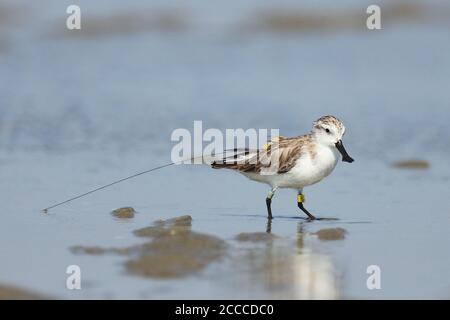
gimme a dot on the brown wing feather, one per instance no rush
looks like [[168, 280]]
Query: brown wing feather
[[285, 150]]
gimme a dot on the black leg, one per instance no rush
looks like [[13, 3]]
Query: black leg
[[269, 202], [269, 226], [300, 200], [269, 209], [310, 216]]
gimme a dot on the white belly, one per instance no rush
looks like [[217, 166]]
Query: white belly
[[307, 170]]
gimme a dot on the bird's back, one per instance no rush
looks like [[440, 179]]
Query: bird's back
[[280, 155]]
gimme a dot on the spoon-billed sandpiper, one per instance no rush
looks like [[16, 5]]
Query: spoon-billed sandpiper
[[294, 162]]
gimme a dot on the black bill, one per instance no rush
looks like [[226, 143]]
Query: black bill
[[345, 156]]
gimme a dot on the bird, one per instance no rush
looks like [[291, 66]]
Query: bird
[[293, 163]]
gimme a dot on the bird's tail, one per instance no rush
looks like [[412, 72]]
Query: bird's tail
[[235, 158]]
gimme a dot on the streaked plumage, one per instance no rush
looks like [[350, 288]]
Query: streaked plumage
[[294, 162]]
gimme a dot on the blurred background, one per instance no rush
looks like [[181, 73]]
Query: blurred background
[[79, 108], [137, 71]]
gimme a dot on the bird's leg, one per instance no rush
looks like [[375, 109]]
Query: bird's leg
[[269, 226], [300, 201], [269, 202]]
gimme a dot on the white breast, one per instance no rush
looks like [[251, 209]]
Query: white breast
[[309, 170]]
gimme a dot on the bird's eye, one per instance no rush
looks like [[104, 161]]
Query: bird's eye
[[327, 130]]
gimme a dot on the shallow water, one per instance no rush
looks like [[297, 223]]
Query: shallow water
[[76, 113], [387, 220]]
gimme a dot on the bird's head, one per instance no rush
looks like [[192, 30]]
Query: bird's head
[[328, 131]]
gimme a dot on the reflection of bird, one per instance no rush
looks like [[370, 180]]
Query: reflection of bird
[[292, 162], [306, 274]]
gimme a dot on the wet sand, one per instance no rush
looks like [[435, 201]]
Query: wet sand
[[174, 250]]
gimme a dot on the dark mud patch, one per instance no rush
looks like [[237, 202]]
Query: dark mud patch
[[176, 255], [185, 220], [126, 23], [287, 21], [255, 237], [297, 20], [161, 228], [124, 213], [98, 251], [14, 293], [174, 250], [412, 164], [331, 234], [151, 232]]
